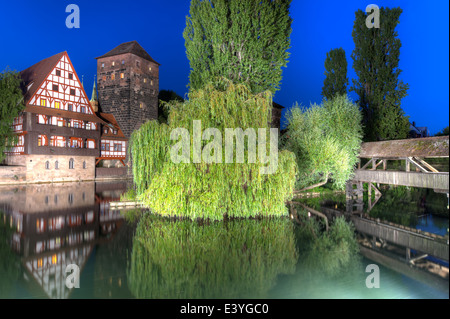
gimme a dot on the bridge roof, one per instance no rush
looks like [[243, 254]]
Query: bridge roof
[[436, 146]]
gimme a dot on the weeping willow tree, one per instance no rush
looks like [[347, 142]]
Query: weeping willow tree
[[184, 259], [326, 140], [219, 188]]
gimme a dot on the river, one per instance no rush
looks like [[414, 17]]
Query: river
[[135, 254]]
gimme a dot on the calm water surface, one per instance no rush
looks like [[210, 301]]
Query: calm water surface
[[44, 228]]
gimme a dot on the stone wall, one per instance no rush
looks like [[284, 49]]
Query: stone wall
[[38, 172], [12, 174]]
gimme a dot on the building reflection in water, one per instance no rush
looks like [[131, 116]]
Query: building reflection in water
[[59, 224]]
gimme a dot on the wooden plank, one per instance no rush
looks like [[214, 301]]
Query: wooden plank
[[437, 146]]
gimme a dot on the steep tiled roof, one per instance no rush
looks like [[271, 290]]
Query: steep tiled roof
[[37, 73], [129, 47], [109, 118]]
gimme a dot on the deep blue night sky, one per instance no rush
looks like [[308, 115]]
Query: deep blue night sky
[[34, 30]]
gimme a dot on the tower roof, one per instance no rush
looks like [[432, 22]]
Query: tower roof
[[94, 94], [129, 47]]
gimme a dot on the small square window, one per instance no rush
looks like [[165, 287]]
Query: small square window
[[55, 87], [58, 72], [72, 91], [150, 68], [122, 75], [103, 65], [71, 76]]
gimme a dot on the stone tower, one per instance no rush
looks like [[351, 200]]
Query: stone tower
[[128, 85]]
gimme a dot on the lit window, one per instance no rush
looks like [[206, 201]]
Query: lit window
[[54, 259], [141, 105], [55, 87], [43, 102], [113, 63], [151, 82], [113, 76], [56, 105], [145, 80], [150, 68], [122, 75], [103, 65]]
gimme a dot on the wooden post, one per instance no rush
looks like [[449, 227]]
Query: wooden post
[[384, 164], [407, 164]]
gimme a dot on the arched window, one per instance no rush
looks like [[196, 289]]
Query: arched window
[[47, 165], [56, 165], [70, 198], [71, 163], [84, 165]]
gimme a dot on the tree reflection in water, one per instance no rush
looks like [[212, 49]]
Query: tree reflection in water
[[234, 259]]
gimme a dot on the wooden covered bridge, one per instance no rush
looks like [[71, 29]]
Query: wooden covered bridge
[[412, 153]]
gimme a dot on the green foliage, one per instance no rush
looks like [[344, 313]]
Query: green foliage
[[211, 190], [164, 97], [244, 41], [11, 104], [325, 140], [376, 59], [128, 195], [184, 259], [336, 81], [442, 132], [149, 151]]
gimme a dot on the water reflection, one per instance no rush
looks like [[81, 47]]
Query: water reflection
[[53, 226], [185, 259]]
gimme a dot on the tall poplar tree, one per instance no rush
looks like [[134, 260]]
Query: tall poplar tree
[[244, 41], [11, 104], [376, 59], [336, 81]]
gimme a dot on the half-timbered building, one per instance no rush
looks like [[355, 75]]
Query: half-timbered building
[[59, 133]]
